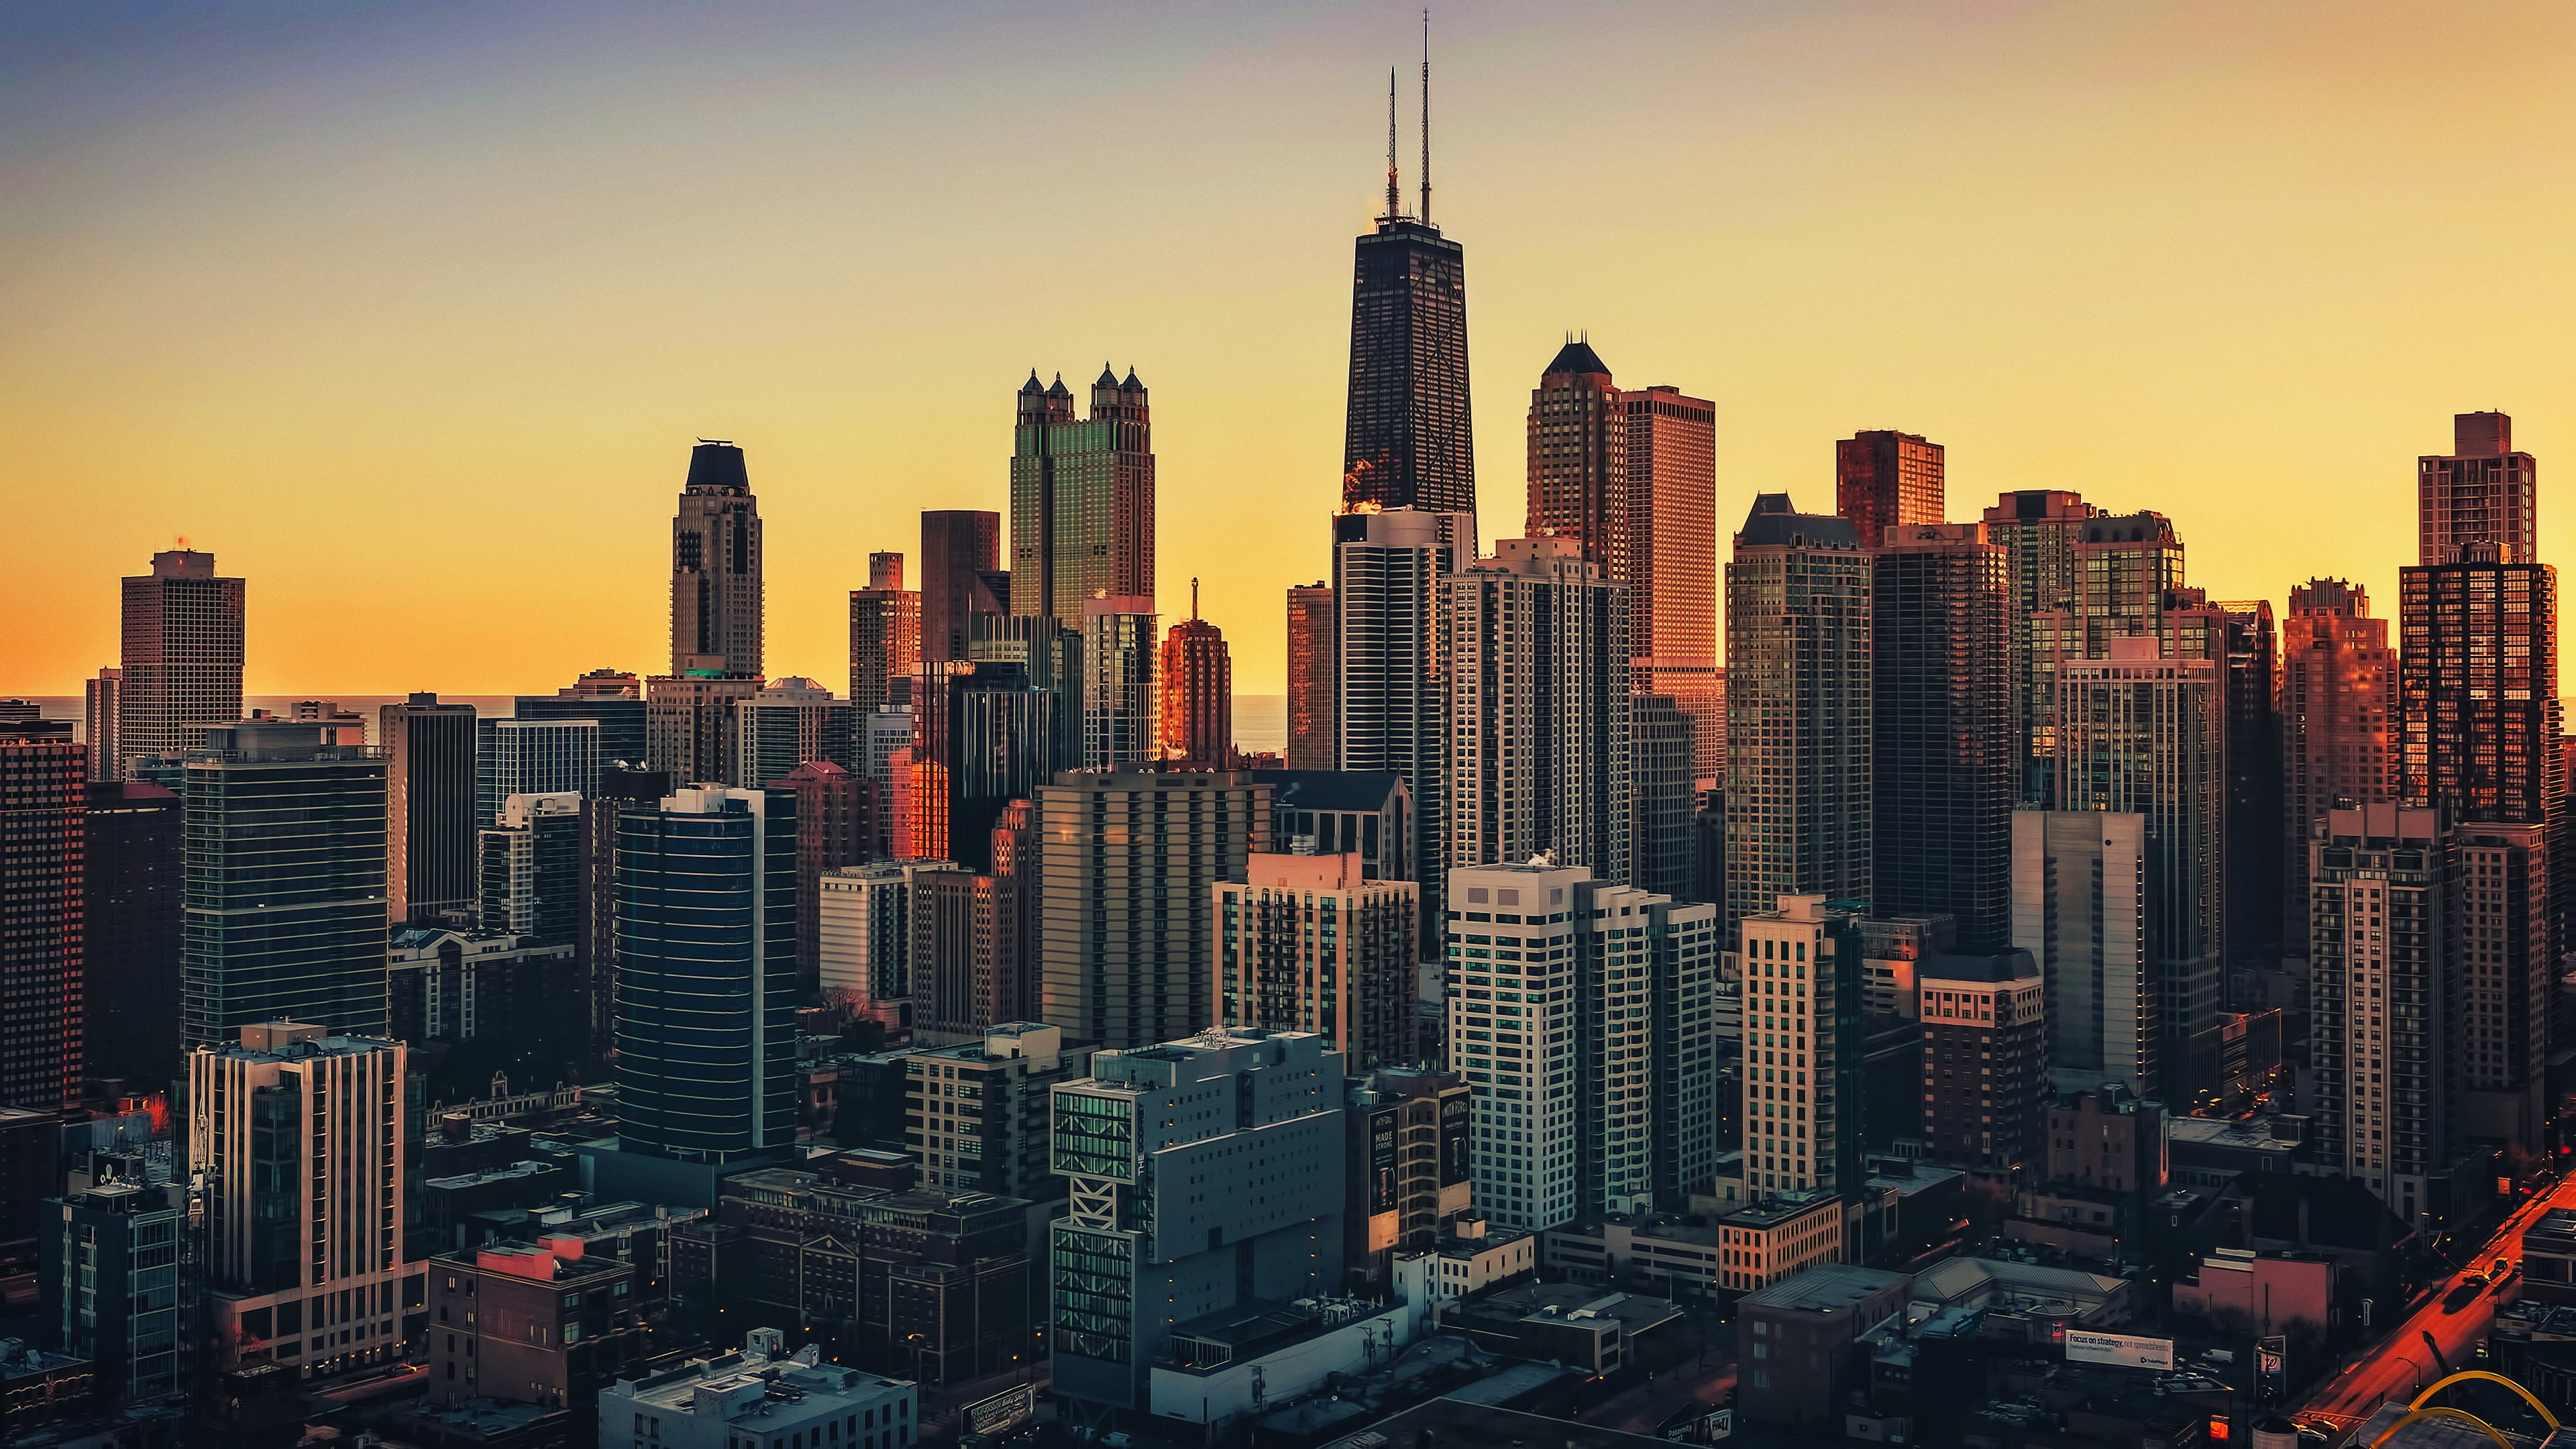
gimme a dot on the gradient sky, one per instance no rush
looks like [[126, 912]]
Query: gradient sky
[[409, 312]]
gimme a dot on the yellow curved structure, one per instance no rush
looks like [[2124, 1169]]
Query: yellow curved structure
[[2494, 1378], [2463, 1415]]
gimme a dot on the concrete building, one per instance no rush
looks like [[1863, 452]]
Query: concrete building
[[1779, 1237], [961, 550], [300, 1126], [2080, 910], [527, 866], [2338, 722], [1985, 1058], [102, 700], [429, 807], [539, 1322], [836, 826], [1346, 811], [2482, 492], [44, 846], [532, 757], [1312, 721], [181, 666], [864, 937], [1390, 656], [108, 1276], [1409, 1167], [1798, 710], [1082, 498], [1474, 1256], [1796, 1336], [1885, 480], [790, 721], [1121, 695], [1127, 870], [1306, 943], [689, 725], [885, 634], [715, 570], [2109, 1139], [1944, 761], [758, 1398], [1594, 1332], [979, 1109], [1804, 1047], [1205, 1175], [974, 953]]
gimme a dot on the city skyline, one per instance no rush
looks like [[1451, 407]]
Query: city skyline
[[1740, 285]]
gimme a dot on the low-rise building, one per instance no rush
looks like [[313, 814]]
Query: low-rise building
[[531, 1323], [1569, 1323], [38, 1387], [1777, 1238], [758, 1398], [1235, 1363], [1794, 1366], [1682, 1257], [109, 1271], [2029, 1301], [1409, 1165], [2208, 1153], [1475, 1256], [2265, 1293], [2549, 1257]]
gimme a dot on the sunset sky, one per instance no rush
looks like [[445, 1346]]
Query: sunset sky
[[410, 312]]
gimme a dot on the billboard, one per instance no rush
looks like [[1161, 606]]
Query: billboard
[[1453, 1140], [1382, 1127], [1004, 1411], [2118, 1348]]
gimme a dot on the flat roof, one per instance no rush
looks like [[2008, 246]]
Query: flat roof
[[1824, 1288]]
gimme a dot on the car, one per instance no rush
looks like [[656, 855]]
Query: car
[[2497, 1268], [2464, 1293]]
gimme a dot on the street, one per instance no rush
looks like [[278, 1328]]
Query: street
[[2398, 1366]]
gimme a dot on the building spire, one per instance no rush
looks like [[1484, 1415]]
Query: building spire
[[1426, 118], [1194, 600], [1392, 195]]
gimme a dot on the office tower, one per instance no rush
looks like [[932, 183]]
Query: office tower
[[959, 548], [2141, 732], [182, 657], [885, 767], [790, 721], [1138, 1257], [983, 736], [715, 568], [1308, 943], [1884, 479], [1985, 1057], [885, 633], [984, 1106], [1197, 678], [130, 932], [1121, 706], [1662, 766], [528, 869], [1578, 460], [689, 725], [1345, 811], [864, 938], [1945, 761], [2338, 722], [2238, 636], [2484, 492], [1804, 1056], [1127, 864], [1578, 1009], [621, 788], [1391, 685], [835, 826], [44, 791], [614, 701], [298, 1130], [1082, 498], [1672, 540], [1409, 440], [2080, 907], [532, 757], [1540, 763], [2386, 1037], [1799, 730], [108, 1276], [973, 952], [283, 911], [706, 976], [429, 807], [1312, 726], [104, 699]]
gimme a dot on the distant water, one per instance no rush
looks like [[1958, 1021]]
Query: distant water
[[1260, 720]]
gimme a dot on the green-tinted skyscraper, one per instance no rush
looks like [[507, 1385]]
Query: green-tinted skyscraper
[[1082, 498]]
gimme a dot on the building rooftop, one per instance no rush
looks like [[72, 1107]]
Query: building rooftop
[[1778, 1208], [1954, 1280], [20, 1359], [1827, 1288], [2252, 1134], [1354, 790], [1573, 1302], [1457, 1421], [754, 1382]]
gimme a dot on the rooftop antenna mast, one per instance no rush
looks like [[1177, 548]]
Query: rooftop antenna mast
[[1194, 601], [1393, 203], [1426, 118]]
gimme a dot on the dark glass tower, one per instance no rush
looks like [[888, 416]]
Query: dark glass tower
[[1408, 442], [1945, 758], [131, 932]]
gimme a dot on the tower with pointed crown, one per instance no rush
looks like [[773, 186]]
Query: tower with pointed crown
[[1082, 497]]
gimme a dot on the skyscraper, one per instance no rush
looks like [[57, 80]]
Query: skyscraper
[[983, 736], [1671, 449], [2080, 909], [1798, 712], [1578, 460], [283, 911], [429, 806], [706, 976], [1408, 441], [130, 932], [531, 757], [44, 789], [182, 661], [527, 866], [1082, 498], [2238, 637], [615, 703], [1128, 863], [1662, 765], [1804, 1047], [865, 921], [1945, 760], [715, 568], [101, 707], [973, 954], [1390, 643], [1353, 984], [885, 633], [621, 788], [835, 826], [790, 721], [2338, 721], [2484, 492], [1985, 1057], [960, 550], [1540, 761], [1198, 692], [1121, 702], [689, 725], [1883, 478], [1311, 723]]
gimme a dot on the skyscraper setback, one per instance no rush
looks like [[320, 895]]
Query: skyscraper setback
[[715, 568], [182, 661], [2483, 492], [1082, 498], [885, 634]]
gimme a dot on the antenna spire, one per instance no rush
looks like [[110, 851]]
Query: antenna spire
[[1426, 117], [1393, 203], [1194, 600]]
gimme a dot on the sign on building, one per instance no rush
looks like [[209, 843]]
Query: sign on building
[[2120, 1349]]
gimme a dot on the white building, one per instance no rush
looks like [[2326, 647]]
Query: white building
[[1804, 1047], [2080, 910], [864, 935], [758, 1398]]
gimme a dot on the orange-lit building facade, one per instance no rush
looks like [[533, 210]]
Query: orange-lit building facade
[[2481, 492], [1883, 478], [1197, 703], [2338, 720], [1310, 677]]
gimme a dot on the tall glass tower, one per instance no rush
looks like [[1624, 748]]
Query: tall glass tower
[[1082, 497], [1408, 442]]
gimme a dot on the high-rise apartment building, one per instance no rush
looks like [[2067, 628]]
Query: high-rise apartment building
[[706, 976], [1197, 678], [983, 735], [130, 932], [1082, 498], [974, 950], [532, 757], [715, 568], [2338, 722], [1540, 759], [2483, 492], [1408, 440], [864, 925], [1346, 811], [283, 910], [835, 827], [1390, 643], [1157, 1147], [1127, 867], [1945, 760], [1985, 1057], [621, 788], [885, 634], [1884, 479], [961, 551], [1671, 449], [1308, 943], [1798, 710], [2238, 637], [1804, 1047], [1312, 724], [1662, 766], [181, 665], [1121, 707], [528, 869], [2142, 732], [984, 1107], [107, 1274], [689, 725], [102, 706], [299, 1132], [2080, 904], [429, 806], [44, 846], [790, 721]]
